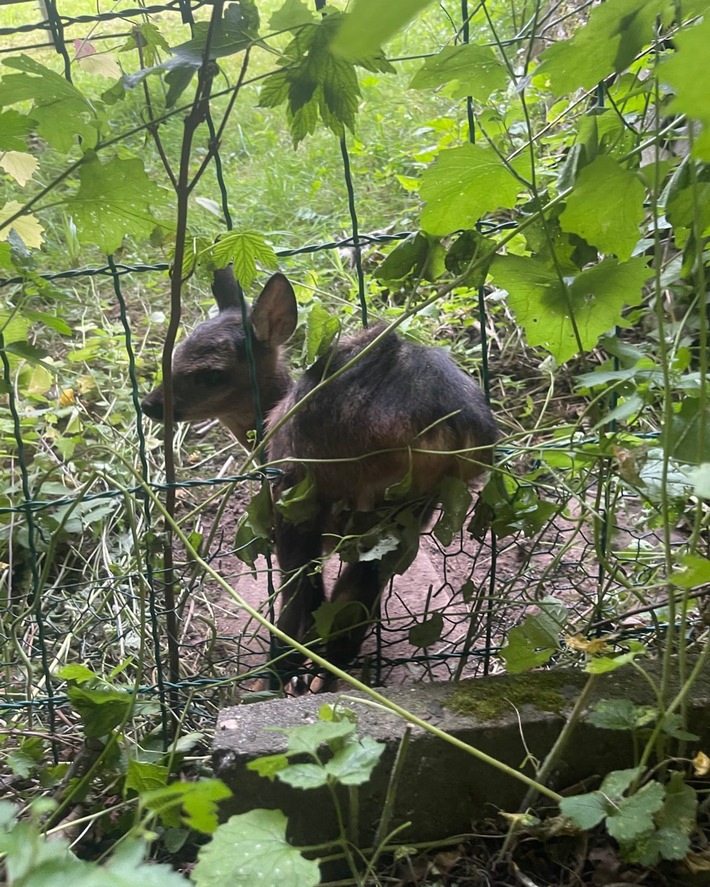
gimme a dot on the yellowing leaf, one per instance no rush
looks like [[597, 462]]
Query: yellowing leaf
[[27, 228], [101, 63], [67, 397], [40, 381], [591, 648], [701, 764], [20, 165]]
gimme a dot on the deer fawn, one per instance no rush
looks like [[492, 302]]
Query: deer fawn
[[376, 441]]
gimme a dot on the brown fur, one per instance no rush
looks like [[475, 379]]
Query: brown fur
[[400, 412]]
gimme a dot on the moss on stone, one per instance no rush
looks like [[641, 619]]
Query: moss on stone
[[488, 700]]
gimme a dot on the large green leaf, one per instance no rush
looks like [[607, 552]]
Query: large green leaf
[[606, 207], [114, 199], [373, 22], [61, 112], [544, 305], [615, 33], [687, 72], [251, 849], [475, 70], [464, 184]]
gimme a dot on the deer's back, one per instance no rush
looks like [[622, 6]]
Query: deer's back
[[400, 407]]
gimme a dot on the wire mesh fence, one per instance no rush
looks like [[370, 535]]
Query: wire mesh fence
[[85, 574]]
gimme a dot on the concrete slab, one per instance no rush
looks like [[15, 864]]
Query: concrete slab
[[443, 790]]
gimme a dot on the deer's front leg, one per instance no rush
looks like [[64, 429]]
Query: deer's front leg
[[299, 550]]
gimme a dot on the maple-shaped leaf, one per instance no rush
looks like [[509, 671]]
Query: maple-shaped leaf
[[687, 73], [544, 305], [292, 15], [114, 200], [244, 249], [20, 165], [464, 184], [314, 81], [609, 41], [606, 207], [26, 227], [475, 70], [61, 112]]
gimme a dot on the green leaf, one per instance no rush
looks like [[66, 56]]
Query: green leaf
[[63, 115], [688, 439], [14, 129], [101, 709], [313, 81], [299, 504], [534, 642], [616, 782], [308, 738], [371, 23], [463, 185], [426, 633], [321, 330], [304, 776], [268, 765], [50, 320], [76, 672], [631, 817], [543, 304], [475, 69], [609, 41], [471, 250], [197, 800], [251, 849], [621, 714], [606, 207], [143, 777], [245, 249], [604, 664], [247, 544], [238, 28], [353, 764], [292, 15], [420, 255], [455, 499], [689, 77], [114, 198], [585, 811], [258, 512], [696, 571], [678, 818]]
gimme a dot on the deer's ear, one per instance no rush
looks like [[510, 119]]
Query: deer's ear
[[274, 313], [225, 288]]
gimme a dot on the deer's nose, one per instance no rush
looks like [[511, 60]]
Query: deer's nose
[[153, 407]]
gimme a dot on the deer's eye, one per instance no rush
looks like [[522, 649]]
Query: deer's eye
[[210, 378]]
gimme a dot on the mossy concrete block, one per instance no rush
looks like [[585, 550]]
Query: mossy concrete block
[[443, 790]]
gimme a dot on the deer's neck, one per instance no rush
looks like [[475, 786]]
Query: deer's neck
[[273, 388]]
